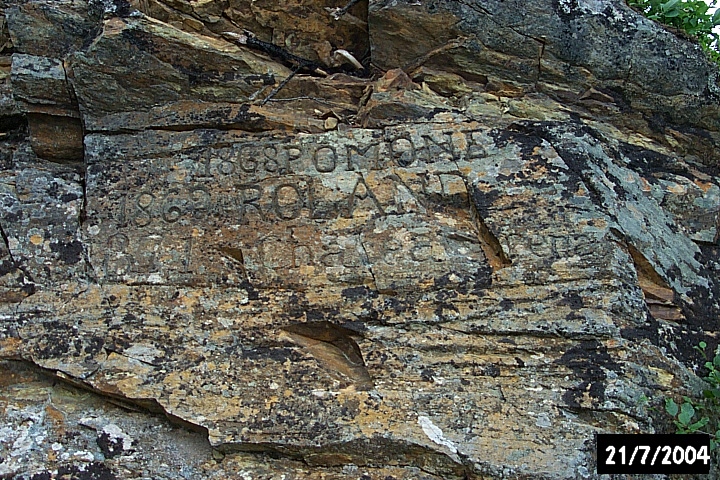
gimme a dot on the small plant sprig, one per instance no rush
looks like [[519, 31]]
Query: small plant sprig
[[689, 16], [703, 415]]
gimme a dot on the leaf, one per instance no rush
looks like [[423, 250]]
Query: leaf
[[715, 21], [671, 407], [699, 424], [687, 412], [699, 9], [711, 393], [716, 360]]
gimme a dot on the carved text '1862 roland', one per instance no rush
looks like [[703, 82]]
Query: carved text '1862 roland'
[[350, 208]]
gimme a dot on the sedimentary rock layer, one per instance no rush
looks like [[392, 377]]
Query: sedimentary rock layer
[[462, 256]]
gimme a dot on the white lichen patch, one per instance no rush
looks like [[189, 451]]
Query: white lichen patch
[[435, 434], [116, 434]]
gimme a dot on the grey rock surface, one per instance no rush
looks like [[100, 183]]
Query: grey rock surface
[[463, 260]]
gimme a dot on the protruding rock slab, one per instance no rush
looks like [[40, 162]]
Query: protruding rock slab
[[554, 47], [208, 246], [43, 34], [42, 92], [311, 29]]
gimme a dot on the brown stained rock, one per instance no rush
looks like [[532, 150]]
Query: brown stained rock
[[138, 64], [57, 138], [334, 348], [173, 80], [306, 27], [466, 266], [395, 80], [444, 83]]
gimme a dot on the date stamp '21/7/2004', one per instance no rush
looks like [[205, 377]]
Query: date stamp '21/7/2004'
[[653, 453]]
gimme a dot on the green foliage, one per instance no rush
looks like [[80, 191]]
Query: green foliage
[[691, 17], [700, 415]]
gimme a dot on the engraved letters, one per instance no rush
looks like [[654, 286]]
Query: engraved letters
[[355, 209]]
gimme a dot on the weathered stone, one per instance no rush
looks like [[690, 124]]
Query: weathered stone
[[172, 80], [57, 138], [43, 33], [314, 38], [51, 29], [40, 84], [550, 46], [40, 212], [10, 115], [53, 428], [466, 266], [375, 221], [340, 200]]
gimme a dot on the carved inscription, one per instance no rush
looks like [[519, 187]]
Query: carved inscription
[[368, 207]]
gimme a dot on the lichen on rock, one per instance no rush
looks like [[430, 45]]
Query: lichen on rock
[[461, 256]]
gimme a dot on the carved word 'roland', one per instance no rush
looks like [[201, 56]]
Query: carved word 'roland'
[[364, 207], [284, 181]]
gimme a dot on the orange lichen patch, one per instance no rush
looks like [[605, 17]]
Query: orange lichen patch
[[9, 348], [504, 89], [704, 186], [677, 189], [57, 418], [546, 152], [645, 185], [581, 191]]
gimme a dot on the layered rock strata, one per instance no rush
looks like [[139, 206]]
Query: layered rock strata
[[395, 240]]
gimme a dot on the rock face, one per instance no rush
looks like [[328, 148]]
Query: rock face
[[462, 260]]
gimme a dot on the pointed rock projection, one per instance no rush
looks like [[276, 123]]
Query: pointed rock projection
[[334, 348]]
